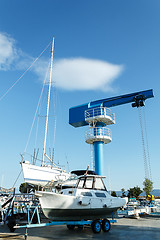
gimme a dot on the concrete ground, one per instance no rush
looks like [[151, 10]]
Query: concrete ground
[[125, 228]]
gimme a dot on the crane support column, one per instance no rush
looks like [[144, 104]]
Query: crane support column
[[97, 115], [98, 157]]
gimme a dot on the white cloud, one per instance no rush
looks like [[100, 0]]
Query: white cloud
[[12, 58], [8, 51], [85, 74], [69, 74]]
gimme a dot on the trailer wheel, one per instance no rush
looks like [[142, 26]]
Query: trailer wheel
[[96, 226], [70, 227], [106, 225]]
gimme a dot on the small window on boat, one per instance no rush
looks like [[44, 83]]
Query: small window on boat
[[89, 183], [99, 194], [81, 183], [70, 192], [86, 194], [99, 184]]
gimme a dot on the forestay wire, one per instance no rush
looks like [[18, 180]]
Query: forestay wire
[[36, 111], [23, 73]]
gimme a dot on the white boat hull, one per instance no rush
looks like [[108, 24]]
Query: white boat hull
[[38, 175], [61, 207]]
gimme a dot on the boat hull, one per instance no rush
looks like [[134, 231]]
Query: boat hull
[[60, 207], [78, 214], [38, 175]]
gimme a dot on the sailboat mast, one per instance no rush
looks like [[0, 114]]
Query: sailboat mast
[[49, 92]]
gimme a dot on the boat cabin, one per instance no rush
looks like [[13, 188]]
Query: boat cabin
[[83, 185], [94, 182]]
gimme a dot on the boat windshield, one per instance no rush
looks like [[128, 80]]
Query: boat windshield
[[99, 184], [91, 183], [72, 177]]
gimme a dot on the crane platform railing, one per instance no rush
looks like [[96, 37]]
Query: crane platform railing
[[100, 114], [102, 134]]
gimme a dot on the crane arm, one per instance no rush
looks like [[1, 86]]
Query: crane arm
[[77, 116]]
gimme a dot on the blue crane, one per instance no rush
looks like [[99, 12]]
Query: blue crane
[[97, 115]]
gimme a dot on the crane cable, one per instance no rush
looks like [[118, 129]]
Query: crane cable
[[147, 165], [147, 146]]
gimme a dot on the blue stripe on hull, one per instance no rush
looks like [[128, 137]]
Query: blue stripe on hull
[[36, 180]]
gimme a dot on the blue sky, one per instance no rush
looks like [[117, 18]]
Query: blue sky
[[102, 49]]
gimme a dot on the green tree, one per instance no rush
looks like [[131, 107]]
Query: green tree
[[24, 188], [148, 186], [123, 192], [27, 188], [134, 192], [113, 194], [131, 193]]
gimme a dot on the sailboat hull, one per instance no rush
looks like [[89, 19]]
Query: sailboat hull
[[38, 175]]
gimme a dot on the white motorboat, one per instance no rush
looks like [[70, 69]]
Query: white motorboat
[[41, 175], [88, 200]]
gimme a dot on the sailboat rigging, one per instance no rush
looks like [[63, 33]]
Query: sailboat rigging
[[41, 175], [49, 92]]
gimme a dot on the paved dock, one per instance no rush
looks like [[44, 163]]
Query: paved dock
[[138, 229]]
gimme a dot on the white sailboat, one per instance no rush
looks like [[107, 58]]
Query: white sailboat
[[41, 175]]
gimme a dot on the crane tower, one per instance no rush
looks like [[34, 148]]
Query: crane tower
[[98, 132], [98, 116]]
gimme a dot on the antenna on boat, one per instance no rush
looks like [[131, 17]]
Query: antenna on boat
[[86, 171], [49, 91]]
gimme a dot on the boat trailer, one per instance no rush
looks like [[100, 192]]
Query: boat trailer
[[24, 211], [34, 221]]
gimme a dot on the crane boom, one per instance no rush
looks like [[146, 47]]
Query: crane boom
[[77, 116]]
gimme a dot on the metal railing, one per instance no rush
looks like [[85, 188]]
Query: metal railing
[[98, 134], [99, 111]]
